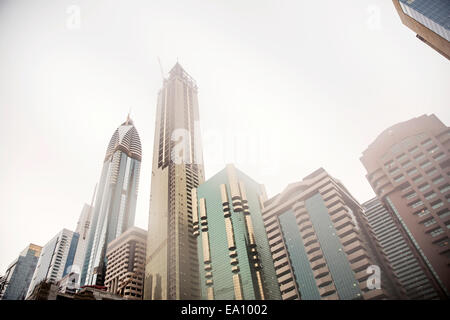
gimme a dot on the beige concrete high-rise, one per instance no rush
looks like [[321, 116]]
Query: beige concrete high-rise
[[321, 245], [126, 262], [408, 167], [171, 270]]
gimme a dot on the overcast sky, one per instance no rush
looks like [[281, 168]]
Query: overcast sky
[[303, 84]]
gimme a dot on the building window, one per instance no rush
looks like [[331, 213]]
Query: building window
[[429, 222], [413, 149], [444, 188], [419, 157], [438, 180], [411, 195], [427, 142], [430, 196], [437, 204], [423, 212], [417, 204], [424, 187], [439, 157], [425, 164], [406, 164], [443, 214], [436, 232]]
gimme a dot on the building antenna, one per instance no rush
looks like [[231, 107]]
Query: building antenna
[[128, 116]]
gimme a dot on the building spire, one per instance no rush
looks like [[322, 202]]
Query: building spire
[[128, 117]]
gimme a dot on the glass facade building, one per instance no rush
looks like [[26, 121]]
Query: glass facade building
[[429, 19], [434, 14], [320, 243], [233, 251], [14, 285], [115, 204], [56, 258]]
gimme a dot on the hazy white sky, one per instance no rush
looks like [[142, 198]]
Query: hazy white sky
[[303, 84]]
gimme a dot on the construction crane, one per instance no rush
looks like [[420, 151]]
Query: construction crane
[[161, 69]]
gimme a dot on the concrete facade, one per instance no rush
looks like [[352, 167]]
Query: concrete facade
[[171, 264], [408, 167], [126, 262], [320, 243]]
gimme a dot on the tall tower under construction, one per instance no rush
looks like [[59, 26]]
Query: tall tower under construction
[[171, 270]]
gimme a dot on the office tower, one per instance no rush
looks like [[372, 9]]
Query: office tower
[[411, 275], [408, 167], [320, 243], [18, 276], [171, 266], [233, 251], [55, 259], [115, 203], [429, 19], [126, 263]]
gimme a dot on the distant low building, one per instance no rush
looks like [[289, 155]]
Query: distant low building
[[69, 283], [56, 258], [15, 283], [51, 291]]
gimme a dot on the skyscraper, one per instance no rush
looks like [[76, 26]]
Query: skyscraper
[[115, 203], [406, 267], [17, 279], [233, 250], [55, 259], [429, 19], [408, 167], [320, 243], [171, 264]]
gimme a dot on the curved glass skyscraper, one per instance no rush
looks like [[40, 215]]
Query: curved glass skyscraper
[[115, 204]]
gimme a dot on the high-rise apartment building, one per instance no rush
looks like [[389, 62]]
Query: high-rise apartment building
[[408, 167], [115, 203], [17, 279], [126, 263], [412, 278], [429, 19], [321, 245], [56, 258], [171, 270], [233, 250]]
